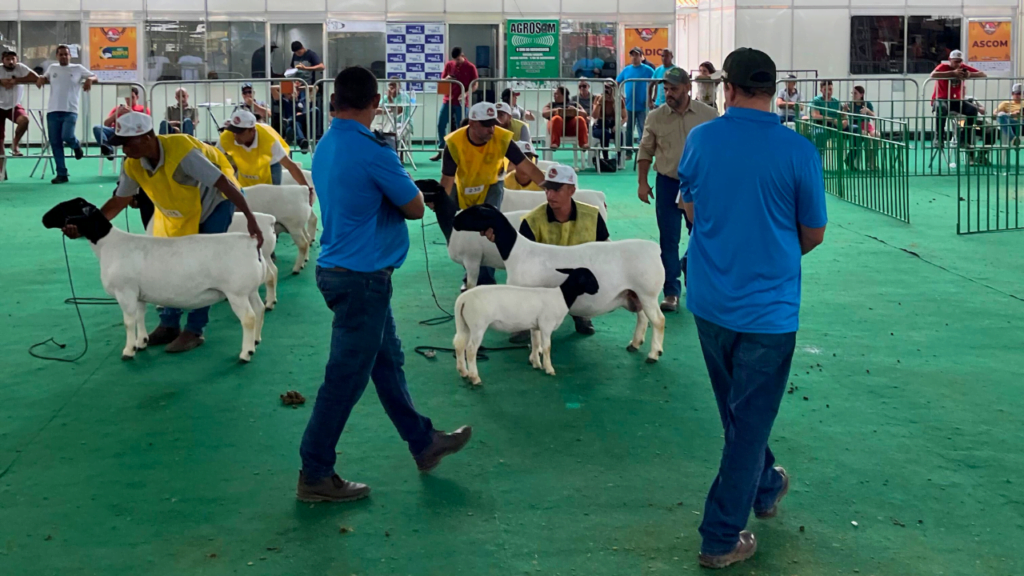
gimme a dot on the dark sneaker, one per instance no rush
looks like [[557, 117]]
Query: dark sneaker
[[520, 337], [670, 304], [79, 154], [184, 342], [584, 326], [774, 510], [744, 549], [332, 489], [59, 180], [443, 445], [436, 157], [304, 146], [107, 151], [163, 335]]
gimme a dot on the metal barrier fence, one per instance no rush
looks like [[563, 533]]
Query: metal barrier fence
[[864, 158], [988, 190]]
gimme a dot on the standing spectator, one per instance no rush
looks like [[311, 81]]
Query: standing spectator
[[707, 84], [663, 141], [564, 119], [586, 67], [744, 286], [636, 95], [608, 114], [948, 96], [583, 98], [509, 97], [259, 61], [464, 72], [787, 101], [1007, 114], [365, 198], [180, 118], [105, 132], [307, 62], [64, 79], [656, 93], [12, 74]]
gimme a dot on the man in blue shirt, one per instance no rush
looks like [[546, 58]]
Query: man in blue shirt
[[657, 89], [365, 198], [636, 95], [755, 194]]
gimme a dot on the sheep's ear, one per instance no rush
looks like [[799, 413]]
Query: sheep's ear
[[476, 218], [565, 271]]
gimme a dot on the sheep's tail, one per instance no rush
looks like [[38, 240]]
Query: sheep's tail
[[461, 327]]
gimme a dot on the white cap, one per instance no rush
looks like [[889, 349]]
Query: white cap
[[503, 107], [956, 55], [483, 112], [241, 120], [560, 174], [1017, 88], [133, 124], [527, 147]]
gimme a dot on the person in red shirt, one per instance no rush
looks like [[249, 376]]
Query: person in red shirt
[[948, 96], [462, 70], [106, 131]]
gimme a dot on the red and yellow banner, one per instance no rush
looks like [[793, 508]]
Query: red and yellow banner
[[113, 48], [651, 40], [989, 45]]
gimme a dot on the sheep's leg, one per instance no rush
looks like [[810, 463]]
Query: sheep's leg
[[259, 309], [546, 343], [141, 334], [652, 311], [303, 245], [311, 227], [129, 310], [535, 346], [459, 343], [247, 316], [472, 273], [271, 284], [639, 333], [471, 350]]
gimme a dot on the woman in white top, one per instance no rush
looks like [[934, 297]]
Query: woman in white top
[[707, 84]]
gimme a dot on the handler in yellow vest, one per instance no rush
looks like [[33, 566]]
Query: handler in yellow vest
[[474, 153], [194, 192], [256, 149], [512, 179], [563, 221]]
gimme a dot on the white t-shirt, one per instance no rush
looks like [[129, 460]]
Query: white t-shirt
[[10, 97], [66, 86]]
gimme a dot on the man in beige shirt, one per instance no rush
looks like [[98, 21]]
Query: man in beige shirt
[[664, 136]]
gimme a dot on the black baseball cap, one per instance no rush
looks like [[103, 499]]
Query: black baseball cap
[[749, 68], [636, 50]]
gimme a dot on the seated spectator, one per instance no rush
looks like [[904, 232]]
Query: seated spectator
[[604, 112], [947, 96], [583, 98], [1008, 114], [396, 104], [258, 108], [565, 119], [787, 101], [509, 97], [181, 118], [858, 105], [106, 131], [292, 105], [826, 110]]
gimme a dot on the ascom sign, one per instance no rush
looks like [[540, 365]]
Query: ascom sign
[[988, 45]]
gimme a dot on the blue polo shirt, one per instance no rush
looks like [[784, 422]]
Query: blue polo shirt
[[751, 180], [361, 183], [636, 92], [659, 93]]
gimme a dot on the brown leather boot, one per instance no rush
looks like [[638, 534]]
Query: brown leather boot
[[332, 489], [184, 342], [163, 335]]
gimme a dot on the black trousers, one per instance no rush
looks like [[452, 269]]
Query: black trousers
[[970, 112]]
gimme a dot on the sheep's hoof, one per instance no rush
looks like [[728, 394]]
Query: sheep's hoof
[[631, 348], [651, 360], [257, 343], [295, 272], [475, 381], [550, 372], [127, 357], [270, 307]]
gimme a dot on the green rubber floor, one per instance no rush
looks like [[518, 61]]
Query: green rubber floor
[[903, 434]]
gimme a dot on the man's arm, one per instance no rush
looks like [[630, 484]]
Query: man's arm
[[523, 165], [648, 145], [810, 238], [234, 195], [448, 170], [688, 209], [977, 74], [546, 112], [126, 191], [299, 177], [30, 76], [944, 73], [196, 165]]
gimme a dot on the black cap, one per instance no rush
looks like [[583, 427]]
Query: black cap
[[636, 50], [749, 68]]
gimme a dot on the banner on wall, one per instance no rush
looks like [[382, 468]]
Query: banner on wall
[[989, 45], [113, 53], [532, 48], [416, 52], [651, 40]]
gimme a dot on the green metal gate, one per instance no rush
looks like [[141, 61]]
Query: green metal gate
[[989, 189]]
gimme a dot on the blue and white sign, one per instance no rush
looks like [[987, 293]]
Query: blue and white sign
[[416, 53]]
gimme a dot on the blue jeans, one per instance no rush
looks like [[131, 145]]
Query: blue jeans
[[187, 127], [605, 134], [748, 374], [787, 117], [216, 223], [275, 173], [364, 346], [60, 129], [635, 120], [102, 133], [294, 130], [670, 230], [1009, 125], [447, 109]]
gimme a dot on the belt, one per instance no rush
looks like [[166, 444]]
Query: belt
[[387, 271]]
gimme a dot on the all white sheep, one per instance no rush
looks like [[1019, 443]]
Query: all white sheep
[[472, 250], [514, 309], [629, 272], [188, 272], [288, 180], [515, 200], [290, 205], [266, 223]]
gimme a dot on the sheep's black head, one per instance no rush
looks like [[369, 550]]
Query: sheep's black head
[[79, 213], [431, 189], [479, 218]]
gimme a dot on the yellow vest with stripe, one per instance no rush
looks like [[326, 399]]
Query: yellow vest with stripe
[[253, 165], [178, 208], [516, 127], [512, 184], [478, 166], [574, 232]]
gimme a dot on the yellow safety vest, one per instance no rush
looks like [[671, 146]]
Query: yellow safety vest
[[253, 165], [517, 129], [579, 231], [478, 166], [512, 184], [178, 208]]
